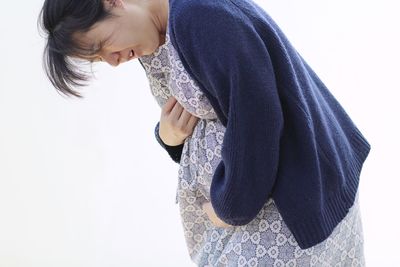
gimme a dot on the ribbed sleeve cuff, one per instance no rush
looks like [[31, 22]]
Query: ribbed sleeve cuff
[[174, 152]]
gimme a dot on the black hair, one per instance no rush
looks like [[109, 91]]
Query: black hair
[[60, 19]]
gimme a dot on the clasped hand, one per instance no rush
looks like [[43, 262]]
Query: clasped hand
[[176, 123]]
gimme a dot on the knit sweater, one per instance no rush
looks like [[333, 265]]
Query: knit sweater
[[286, 137]]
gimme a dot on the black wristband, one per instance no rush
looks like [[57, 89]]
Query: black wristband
[[174, 152]]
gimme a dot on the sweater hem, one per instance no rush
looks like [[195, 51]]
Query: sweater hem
[[313, 230]]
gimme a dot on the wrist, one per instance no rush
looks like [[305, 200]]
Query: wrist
[[175, 143]]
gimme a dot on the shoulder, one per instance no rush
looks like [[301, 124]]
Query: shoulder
[[204, 12], [216, 30], [181, 7]]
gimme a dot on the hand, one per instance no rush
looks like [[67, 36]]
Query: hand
[[209, 210], [176, 124]]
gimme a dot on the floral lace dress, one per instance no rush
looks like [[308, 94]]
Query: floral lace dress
[[266, 240]]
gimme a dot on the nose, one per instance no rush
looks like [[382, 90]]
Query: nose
[[112, 58]]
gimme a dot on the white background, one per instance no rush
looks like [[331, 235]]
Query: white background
[[84, 182]]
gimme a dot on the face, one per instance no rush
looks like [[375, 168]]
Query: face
[[132, 34]]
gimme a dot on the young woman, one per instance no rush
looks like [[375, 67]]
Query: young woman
[[269, 160]]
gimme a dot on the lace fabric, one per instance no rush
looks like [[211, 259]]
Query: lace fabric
[[266, 240]]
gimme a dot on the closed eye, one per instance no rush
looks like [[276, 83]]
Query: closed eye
[[96, 59], [97, 50]]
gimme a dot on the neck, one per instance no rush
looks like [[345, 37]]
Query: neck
[[159, 12]]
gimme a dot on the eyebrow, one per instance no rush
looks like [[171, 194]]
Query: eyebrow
[[94, 50]]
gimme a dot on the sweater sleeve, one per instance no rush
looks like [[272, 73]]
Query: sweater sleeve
[[221, 50], [174, 152]]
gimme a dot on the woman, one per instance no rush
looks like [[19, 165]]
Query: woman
[[269, 160]]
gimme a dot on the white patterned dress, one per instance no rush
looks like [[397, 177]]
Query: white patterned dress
[[266, 240]]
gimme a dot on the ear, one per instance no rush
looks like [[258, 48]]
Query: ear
[[113, 3]]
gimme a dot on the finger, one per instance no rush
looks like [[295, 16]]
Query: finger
[[220, 223], [192, 121], [205, 206], [169, 104], [185, 116], [176, 111]]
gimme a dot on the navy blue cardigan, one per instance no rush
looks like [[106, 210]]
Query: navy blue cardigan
[[286, 137]]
